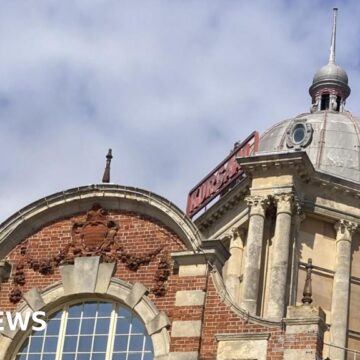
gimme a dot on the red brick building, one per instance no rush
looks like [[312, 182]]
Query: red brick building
[[123, 274], [134, 250]]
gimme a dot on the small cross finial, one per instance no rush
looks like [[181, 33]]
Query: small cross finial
[[307, 293], [106, 177], [333, 38]]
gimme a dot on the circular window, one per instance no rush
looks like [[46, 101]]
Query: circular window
[[299, 133], [89, 331]]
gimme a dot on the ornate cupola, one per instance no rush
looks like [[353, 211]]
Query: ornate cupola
[[330, 88]]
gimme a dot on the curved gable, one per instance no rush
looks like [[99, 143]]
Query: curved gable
[[79, 200]]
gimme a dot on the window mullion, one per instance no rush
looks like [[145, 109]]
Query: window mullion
[[112, 330], [62, 330]]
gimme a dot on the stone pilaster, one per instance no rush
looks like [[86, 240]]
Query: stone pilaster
[[341, 288], [254, 241], [280, 256], [234, 264]]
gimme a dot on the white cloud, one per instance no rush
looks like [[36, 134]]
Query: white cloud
[[169, 85]]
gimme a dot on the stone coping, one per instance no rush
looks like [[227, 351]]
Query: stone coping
[[78, 200]]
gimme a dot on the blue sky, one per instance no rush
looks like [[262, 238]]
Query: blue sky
[[168, 85]]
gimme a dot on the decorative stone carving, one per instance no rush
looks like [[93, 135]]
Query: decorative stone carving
[[284, 203], [96, 236], [238, 235], [299, 134], [344, 230], [5, 270], [257, 204]]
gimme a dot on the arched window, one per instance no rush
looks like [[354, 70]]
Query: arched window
[[89, 331]]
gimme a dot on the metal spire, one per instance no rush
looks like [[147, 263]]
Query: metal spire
[[333, 38], [106, 177]]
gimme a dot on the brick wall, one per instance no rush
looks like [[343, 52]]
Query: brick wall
[[141, 235]]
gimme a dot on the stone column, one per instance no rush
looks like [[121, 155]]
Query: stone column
[[233, 268], [341, 289], [253, 252], [280, 257]]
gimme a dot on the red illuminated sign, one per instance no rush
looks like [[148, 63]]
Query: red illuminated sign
[[222, 176]]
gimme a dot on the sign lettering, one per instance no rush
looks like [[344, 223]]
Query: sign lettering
[[222, 176]]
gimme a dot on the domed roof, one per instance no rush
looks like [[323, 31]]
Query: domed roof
[[331, 139], [331, 76], [331, 71]]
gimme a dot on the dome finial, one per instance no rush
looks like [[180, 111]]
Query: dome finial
[[330, 88], [333, 38]]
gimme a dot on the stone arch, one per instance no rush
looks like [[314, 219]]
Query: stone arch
[[89, 277], [113, 197]]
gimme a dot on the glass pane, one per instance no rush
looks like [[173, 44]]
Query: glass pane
[[72, 327], [68, 357], [83, 357], [75, 311], [48, 357], [137, 326], [119, 357], [148, 344], [87, 326], [52, 328], [122, 326], [135, 356], [98, 357], [102, 326], [50, 344], [120, 343], [100, 343], [136, 343], [105, 309], [70, 343], [124, 312], [148, 356], [57, 315], [90, 310], [34, 357], [85, 343], [36, 344]]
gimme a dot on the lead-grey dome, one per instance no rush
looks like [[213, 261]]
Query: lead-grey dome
[[333, 143], [331, 72], [331, 76]]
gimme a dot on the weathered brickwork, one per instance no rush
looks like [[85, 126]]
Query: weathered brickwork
[[139, 235]]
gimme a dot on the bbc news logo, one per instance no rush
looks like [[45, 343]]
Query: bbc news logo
[[21, 321]]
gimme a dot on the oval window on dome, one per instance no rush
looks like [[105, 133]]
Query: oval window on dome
[[298, 134]]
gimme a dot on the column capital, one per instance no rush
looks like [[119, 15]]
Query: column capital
[[257, 204], [238, 232], [284, 203], [344, 230]]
